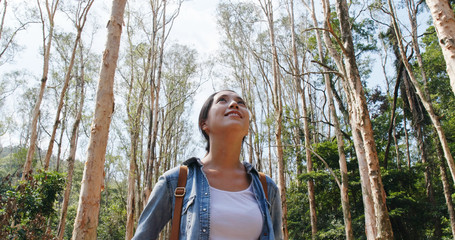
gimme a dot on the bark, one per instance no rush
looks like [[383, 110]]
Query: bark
[[369, 211], [86, 220], [51, 10], [392, 120], [278, 107], [59, 143], [135, 126], [408, 154], [72, 157], [134, 129], [343, 166], [422, 93], [361, 120], [446, 187], [309, 162], [80, 22], [150, 142], [155, 83], [156, 96], [444, 23], [339, 136]]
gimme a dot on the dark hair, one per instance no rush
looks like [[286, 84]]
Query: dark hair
[[203, 115]]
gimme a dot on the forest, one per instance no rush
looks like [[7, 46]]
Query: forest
[[352, 112]]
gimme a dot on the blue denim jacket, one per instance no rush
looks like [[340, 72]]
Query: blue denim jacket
[[195, 219]]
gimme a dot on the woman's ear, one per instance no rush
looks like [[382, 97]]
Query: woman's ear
[[205, 128]]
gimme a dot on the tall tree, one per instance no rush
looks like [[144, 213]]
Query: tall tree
[[158, 37], [51, 10], [338, 133], [267, 7], [79, 22], [136, 82], [306, 127], [89, 199], [360, 121], [422, 92], [73, 147], [368, 205], [444, 22], [8, 33]]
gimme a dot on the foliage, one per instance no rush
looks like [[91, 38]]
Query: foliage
[[26, 206], [12, 162]]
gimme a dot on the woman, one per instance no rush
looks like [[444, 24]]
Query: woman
[[224, 198]]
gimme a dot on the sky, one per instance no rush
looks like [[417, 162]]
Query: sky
[[195, 26]]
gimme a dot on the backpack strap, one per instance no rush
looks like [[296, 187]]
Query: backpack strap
[[179, 194], [263, 180]]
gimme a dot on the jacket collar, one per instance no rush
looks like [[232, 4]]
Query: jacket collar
[[194, 160]]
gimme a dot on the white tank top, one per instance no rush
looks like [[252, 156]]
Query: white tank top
[[234, 215]]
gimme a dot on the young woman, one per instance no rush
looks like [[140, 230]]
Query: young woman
[[224, 197]]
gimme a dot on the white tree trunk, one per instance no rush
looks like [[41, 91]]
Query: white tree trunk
[[71, 158], [86, 220], [444, 22], [278, 106], [36, 110], [421, 92]]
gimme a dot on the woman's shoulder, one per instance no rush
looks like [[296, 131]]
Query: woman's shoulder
[[174, 172], [251, 168]]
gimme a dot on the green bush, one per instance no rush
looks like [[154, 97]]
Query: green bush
[[26, 207]]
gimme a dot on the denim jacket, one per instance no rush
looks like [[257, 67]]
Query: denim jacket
[[195, 218]]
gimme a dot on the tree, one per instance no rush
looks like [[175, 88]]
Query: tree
[[89, 199], [73, 146], [444, 22], [306, 127], [360, 122], [51, 11], [267, 7], [79, 24], [422, 92], [338, 133], [8, 32]]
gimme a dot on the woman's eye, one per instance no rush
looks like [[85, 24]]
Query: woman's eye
[[221, 99], [241, 102]]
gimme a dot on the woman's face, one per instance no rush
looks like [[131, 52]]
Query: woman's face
[[228, 112]]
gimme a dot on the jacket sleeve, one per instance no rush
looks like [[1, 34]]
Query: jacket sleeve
[[157, 213], [275, 207]]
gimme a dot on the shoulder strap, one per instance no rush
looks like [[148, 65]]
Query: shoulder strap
[[179, 194], [263, 180]]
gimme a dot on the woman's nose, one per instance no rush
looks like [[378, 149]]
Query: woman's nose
[[234, 104]]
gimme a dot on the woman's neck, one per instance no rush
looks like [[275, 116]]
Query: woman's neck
[[223, 154]]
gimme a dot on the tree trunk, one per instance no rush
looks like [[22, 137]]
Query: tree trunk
[[421, 92], [369, 211], [306, 127], [59, 144], [60, 103], [339, 136], [86, 220], [134, 129], [446, 186], [361, 120], [444, 23], [79, 27], [51, 10], [392, 120], [278, 106], [72, 157], [135, 126], [408, 154]]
